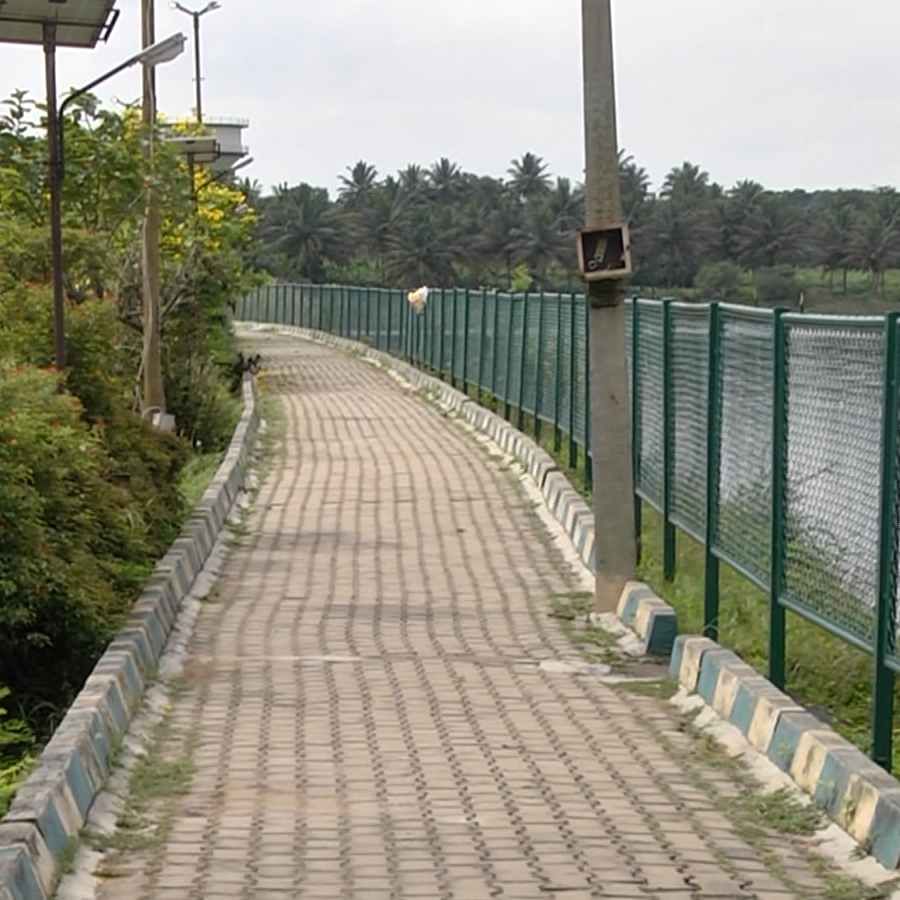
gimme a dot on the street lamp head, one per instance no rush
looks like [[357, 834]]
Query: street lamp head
[[162, 51], [214, 4]]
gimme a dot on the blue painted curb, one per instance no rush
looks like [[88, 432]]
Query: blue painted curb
[[860, 796]]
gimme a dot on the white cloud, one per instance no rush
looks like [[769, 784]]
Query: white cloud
[[792, 94]]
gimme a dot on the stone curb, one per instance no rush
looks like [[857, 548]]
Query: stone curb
[[654, 621], [52, 805], [859, 795]]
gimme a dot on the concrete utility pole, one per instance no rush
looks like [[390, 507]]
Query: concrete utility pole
[[616, 541], [154, 391]]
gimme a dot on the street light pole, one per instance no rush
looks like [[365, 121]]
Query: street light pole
[[613, 494], [59, 299], [195, 15]]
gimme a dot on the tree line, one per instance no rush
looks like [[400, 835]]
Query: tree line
[[443, 226]]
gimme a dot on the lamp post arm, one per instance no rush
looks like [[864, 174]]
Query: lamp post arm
[[80, 93]]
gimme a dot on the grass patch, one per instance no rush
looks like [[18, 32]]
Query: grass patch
[[156, 781], [195, 477], [780, 811], [663, 689], [827, 675]]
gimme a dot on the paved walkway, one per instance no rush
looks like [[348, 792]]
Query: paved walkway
[[364, 708]]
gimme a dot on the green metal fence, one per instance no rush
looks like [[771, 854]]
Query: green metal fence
[[770, 437]]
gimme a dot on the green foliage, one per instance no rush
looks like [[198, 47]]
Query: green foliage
[[445, 227], [16, 741], [81, 525], [719, 281], [776, 286], [89, 493]]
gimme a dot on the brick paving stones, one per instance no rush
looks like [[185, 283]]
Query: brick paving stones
[[363, 704]]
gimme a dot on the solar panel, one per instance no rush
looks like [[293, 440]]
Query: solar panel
[[79, 23]]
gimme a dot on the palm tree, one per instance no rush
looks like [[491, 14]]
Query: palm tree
[[836, 224], [496, 238], [771, 233], [676, 240], [381, 220], [635, 186], [528, 176], [875, 240], [731, 214], [413, 179], [539, 242], [423, 249], [566, 206], [355, 190], [445, 178], [301, 225], [687, 184]]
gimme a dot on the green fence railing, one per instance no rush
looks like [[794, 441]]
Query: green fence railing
[[769, 437]]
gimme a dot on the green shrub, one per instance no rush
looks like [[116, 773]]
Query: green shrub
[[76, 543], [719, 281], [16, 742], [776, 286]]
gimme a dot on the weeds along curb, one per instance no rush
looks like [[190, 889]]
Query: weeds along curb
[[859, 795], [52, 805], [653, 620]]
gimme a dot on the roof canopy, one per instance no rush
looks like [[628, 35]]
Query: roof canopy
[[79, 23]]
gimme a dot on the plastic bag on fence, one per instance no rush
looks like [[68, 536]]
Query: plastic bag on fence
[[418, 299]]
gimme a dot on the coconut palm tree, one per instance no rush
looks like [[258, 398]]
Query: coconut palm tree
[[875, 239], [528, 176], [687, 184], [445, 178], [355, 190], [302, 227]]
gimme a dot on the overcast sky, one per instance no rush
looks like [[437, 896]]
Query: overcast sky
[[802, 93]]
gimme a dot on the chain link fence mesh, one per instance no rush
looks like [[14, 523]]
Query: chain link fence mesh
[[835, 377], [650, 467], [746, 373], [689, 412]]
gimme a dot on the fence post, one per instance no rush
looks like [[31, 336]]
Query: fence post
[[669, 546], [453, 324], [466, 312], [494, 354], [588, 455], [883, 701], [573, 447], [441, 337], [557, 381], [636, 424], [390, 320], [507, 398], [713, 452], [520, 418], [482, 337], [539, 380], [777, 638]]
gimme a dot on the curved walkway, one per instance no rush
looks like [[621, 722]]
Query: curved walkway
[[364, 713]]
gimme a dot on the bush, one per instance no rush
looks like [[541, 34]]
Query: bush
[[719, 281], [78, 534], [16, 742], [776, 286]]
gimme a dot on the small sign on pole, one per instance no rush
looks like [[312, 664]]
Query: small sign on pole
[[604, 253]]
